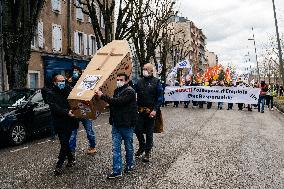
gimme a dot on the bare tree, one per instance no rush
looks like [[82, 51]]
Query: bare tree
[[107, 14], [270, 58], [139, 20], [150, 17], [175, 45], [20, 20]]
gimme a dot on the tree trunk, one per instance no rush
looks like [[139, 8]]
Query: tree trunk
[[20, 20]]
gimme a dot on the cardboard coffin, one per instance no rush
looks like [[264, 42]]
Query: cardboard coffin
[[100, 73]]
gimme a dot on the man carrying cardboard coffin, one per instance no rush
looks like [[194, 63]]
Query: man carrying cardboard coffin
[[87, 123], [123, 117], [63, 120], [149, 99]]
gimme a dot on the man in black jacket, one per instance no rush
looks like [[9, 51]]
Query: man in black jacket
[[123, 117], [149, 100], [63, 120]]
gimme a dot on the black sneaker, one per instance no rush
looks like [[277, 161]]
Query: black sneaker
[[58, 171], [71, 164], [146, 158], [139, 152], [114, 175]]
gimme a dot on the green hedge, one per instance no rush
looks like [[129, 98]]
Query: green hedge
[[279, 103]]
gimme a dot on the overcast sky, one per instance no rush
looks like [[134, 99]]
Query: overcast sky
[[227, 25]]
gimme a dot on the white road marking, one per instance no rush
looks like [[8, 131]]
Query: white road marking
[[19, 149], [44, 142]]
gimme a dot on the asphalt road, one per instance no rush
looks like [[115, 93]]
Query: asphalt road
[[200, 148]]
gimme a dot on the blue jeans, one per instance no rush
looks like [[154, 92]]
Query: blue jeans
[[261, 101], [88, 125], [119, 134]]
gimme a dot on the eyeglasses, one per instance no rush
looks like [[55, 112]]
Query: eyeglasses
[[61, 80], [119, 80]]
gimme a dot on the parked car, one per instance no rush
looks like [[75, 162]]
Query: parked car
[[23, 113]]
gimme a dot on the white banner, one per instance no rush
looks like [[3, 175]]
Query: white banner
[[239, 94]]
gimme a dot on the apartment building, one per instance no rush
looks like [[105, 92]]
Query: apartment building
[[64, 38], [192, 39], [211, 58]]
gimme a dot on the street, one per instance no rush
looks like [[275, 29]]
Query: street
[[200, 148]]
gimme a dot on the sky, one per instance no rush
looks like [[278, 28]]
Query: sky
[[227, 25]]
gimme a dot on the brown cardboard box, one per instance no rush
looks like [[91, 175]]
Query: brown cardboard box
[[100, 73]]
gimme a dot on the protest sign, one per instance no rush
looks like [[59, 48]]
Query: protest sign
[[239, 94]]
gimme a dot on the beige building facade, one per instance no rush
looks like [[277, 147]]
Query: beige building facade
[[211, 58], [64, 38]]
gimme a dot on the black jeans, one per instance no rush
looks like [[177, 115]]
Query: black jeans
[[186, 103], [240, 106], [145, 124], [64, 137], [209, 105], [230, 106], [269, 101]]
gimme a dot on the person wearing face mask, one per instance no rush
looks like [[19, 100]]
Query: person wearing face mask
[[87, 123], [123, 117], [63, 120], [149, 100]]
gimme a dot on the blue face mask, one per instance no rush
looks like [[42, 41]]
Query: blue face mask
[[75, 74], [61, 84]]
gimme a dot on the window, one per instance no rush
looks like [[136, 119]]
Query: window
[[56, 38], [80, 43], [79, 11], [33, 79], [92, 45], [56, 5]]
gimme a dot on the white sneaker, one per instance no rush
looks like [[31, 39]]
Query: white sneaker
[[272, 109]]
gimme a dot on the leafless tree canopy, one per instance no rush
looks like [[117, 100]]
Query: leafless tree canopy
[[142, 21], [270, 59]]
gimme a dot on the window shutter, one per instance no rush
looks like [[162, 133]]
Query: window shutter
[[40, 34], [59, 5], [54, 32], [76, 42], [53, 2], [85, 38], [90, 45], [59, 39], [77, 10]]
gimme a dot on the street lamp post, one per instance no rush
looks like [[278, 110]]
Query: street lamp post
[[281, 68], [253, 39]]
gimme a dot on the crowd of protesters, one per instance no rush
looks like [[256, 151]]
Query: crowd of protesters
[[267, 93]]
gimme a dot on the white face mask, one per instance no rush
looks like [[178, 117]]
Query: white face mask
[[120, 83], [146, 73]]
